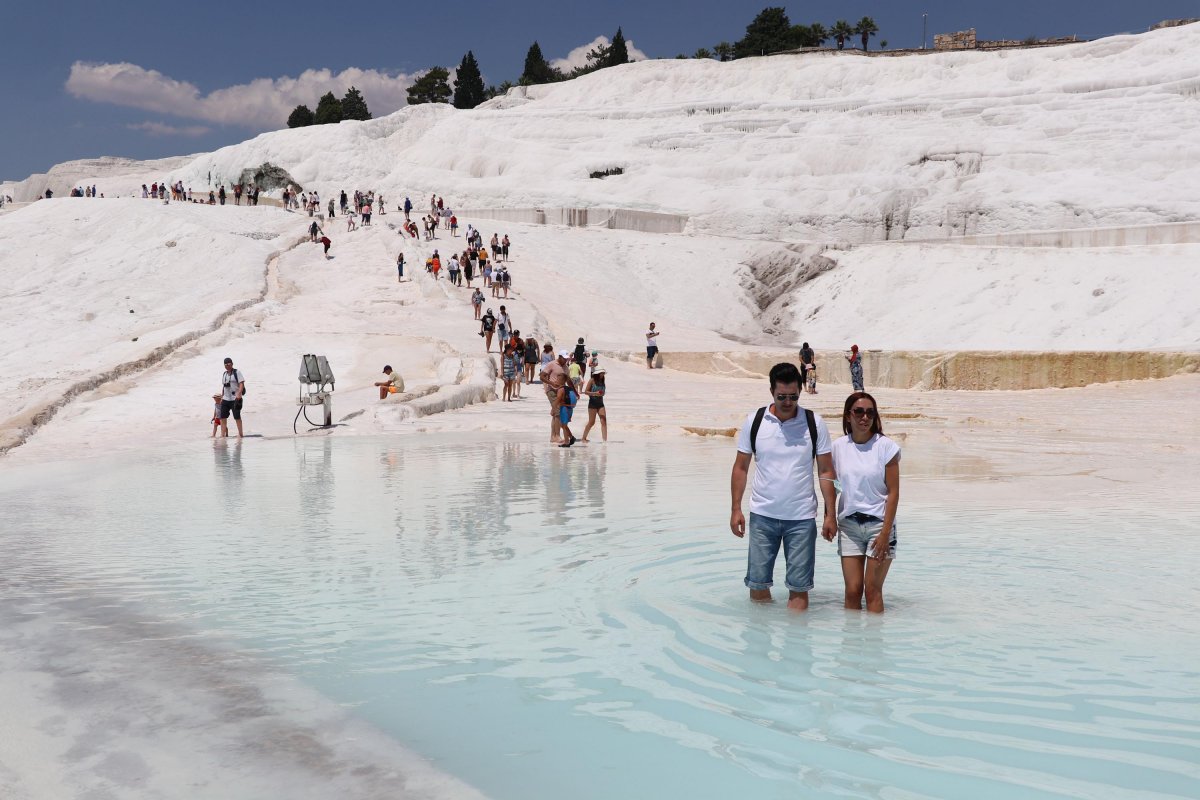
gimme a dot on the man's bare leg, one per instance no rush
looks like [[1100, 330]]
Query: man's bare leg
[[761, 596], [797, 601], [239, 427]]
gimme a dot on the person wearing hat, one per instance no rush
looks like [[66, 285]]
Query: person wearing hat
[[595, 395], [553, 375], [233, 386], [391, 384]]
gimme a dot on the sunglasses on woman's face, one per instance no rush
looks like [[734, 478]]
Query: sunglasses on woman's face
[[863, 412]]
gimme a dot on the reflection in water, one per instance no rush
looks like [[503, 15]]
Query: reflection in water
[[592, 625], [227, 462], [316, 487]]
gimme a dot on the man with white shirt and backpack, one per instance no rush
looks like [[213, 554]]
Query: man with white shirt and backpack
[[784, 440], [233, 388]]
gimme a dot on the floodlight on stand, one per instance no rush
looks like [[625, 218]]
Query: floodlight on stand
[[316, 389]]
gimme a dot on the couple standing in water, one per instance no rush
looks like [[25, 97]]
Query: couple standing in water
[[785, 440]]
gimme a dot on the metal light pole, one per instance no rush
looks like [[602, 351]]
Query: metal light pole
[[924, 29]]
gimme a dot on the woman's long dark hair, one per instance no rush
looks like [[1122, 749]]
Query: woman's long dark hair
[[876, 424]]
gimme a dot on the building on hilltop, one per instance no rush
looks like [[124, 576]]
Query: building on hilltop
[[967, 40], [960, 40], [1173, 23]]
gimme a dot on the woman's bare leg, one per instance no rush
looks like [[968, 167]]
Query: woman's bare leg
[[852, 573]]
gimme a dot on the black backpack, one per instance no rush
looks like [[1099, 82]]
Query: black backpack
[[758, 418]]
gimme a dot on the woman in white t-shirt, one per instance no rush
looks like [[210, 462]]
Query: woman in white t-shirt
[[868, 470]]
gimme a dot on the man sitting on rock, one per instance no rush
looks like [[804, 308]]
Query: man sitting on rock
[[391, 384]]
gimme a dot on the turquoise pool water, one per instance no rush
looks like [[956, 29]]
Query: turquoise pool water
[[546, 623]]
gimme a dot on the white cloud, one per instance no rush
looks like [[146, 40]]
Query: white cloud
[[578, 56], [162, 129], [261, 104]]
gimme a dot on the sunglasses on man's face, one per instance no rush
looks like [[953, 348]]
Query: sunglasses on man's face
[[787, 398], [863, 412]]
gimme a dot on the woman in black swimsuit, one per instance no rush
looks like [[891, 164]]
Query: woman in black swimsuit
[[595, 395]]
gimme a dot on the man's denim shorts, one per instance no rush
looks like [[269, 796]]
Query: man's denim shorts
[[799, 540], [857, 533]]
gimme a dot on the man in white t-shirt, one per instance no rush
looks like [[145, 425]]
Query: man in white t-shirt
[[233, 385], [783, 502], [651, 346]]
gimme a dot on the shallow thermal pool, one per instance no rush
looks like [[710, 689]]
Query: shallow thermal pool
[[547, 623]]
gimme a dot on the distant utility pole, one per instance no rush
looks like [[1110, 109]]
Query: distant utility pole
[[924, 29]]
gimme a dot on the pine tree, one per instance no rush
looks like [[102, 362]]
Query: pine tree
[[329, 110], [468, 83], [537, 69], [301, 117], [432, 87], [618, 51], [769, 32], [354, 106]]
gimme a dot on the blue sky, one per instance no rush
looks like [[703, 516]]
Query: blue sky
[[133, 78]]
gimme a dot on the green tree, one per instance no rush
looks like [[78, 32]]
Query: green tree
[[496, 91], [818, 35], [329, 110], [840, 32], [883, 44], [468, 83], [432, 87], [301, 117], [354, 106], [597, 58], [537, 69], [866, 28], [723, 50], [618, 51], [769, 32], [703, 52]]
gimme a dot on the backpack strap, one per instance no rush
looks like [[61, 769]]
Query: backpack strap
[[809, 417], [754, 426], [812, 430]]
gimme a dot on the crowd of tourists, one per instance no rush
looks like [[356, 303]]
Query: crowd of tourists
[[857, 475]]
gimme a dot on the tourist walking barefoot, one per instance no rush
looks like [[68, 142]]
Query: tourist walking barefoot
[[554, 376], [567, 398], [399, 266], [487, 327], [651, 346], [517, 344], [868, 470], [856, 370], [477, 301], [595, 395], [509, 372], [531, 358]]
